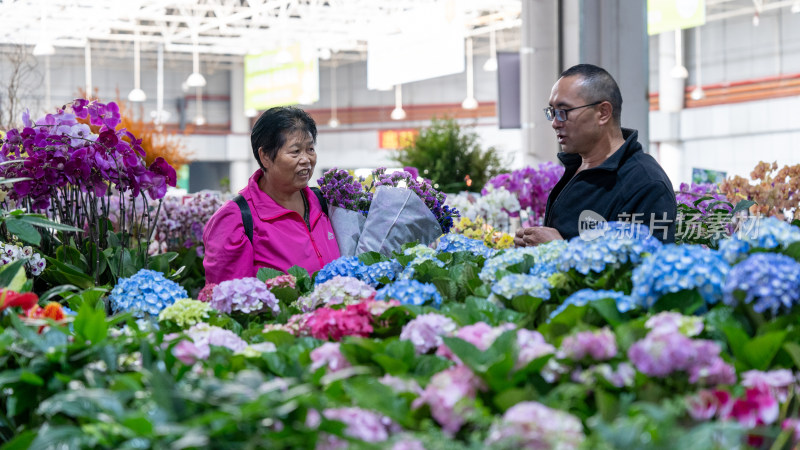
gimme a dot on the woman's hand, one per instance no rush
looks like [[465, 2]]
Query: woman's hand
[[528, 237]]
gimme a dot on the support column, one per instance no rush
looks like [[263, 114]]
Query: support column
[[667, 122], [613, 35], [538, 71], [239, 154]]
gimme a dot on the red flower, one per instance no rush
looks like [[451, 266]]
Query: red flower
[[10, 298]]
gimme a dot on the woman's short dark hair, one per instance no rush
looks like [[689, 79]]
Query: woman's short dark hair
[[270, 131], [598, 86]]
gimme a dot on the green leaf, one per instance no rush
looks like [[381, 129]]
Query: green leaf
[[58, 290], [41, 221], [510, 397], [685, 302], [12, 275], [793, 250], [90, 324], [372, 395], [279, 337], [62, 273], [607, 308], [793, 349], [370, 258], [526, 304], [29, 377], [24, 231], [160, 262], [743, 205], [392, 366], [267, 273], [139, 424], [22, 441], [737, 339], [760, 350]]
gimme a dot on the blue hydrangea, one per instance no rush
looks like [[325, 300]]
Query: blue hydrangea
[[514, 284], [459, 243], [767, 232], [374, 272], [544, 256], [421, 254], [146, 292], [769, 281], [622, 242], [346, 266], [585, 296], [733, 250], [675, 268], [410, 292]]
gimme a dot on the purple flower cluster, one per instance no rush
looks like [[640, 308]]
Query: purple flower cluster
[[181, 219], [243, 295], [361, 424], [598, 345], [768, 281], [426, 331], [328, 355], [689, 194], [535, 426], [450, 395], [57, 151], [660, 354], [341, 189], [531, 185]]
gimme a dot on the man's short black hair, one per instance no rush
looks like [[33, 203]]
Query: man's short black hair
[[275, 124], [598, 85]]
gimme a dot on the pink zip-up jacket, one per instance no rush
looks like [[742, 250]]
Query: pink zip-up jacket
[[280, 237]]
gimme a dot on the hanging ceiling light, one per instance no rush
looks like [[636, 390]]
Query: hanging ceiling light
[[697, 92], [470, 102], [199, 120], [491, 64], [679, 71], [196, 79], [137, 94], [398, 113]]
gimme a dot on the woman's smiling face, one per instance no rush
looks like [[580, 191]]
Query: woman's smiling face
[[294, 163]]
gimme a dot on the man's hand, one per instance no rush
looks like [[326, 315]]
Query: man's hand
[[527, 237]]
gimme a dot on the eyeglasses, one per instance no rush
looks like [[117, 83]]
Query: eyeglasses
[[561, 114]]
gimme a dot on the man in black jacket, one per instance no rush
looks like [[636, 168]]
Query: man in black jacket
[[607, 176]]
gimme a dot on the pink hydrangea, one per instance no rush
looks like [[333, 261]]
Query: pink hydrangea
[[362, 424], [777, 381], [328, 355], [203, 336], [334, 324], [660, 354], [297, 325], [668, 322], [426, 331], [243, 295], [622, 376], [598, 345], [531, 345], [532, 425], [757, 407], [283, 281], [205, 294], [408, 444], [337, 290], [709, 403], [450, 396]]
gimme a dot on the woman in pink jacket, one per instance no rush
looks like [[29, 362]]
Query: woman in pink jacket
[[287, 223]]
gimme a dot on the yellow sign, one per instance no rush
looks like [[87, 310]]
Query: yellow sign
[[394, 139], [668, 15], [287, 76]]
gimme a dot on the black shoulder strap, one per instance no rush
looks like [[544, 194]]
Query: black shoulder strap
[[321, 198], [247, 216]]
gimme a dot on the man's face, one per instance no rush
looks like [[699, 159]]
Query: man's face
[[576, 133]]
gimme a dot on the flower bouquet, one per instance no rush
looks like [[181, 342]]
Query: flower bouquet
[[392, 210]]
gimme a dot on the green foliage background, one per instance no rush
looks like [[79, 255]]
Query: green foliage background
[[446, 153]]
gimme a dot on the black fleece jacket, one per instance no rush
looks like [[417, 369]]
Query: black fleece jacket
[[629, 185]]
